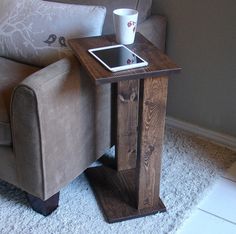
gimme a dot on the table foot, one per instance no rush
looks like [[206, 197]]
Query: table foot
[[115, 192]]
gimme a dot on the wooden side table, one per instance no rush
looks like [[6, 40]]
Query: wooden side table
[[140, 105]]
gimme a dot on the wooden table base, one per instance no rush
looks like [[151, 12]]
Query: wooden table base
[[115, 191], [138, 122]]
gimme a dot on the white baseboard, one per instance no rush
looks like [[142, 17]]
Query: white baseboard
[[218, 138]]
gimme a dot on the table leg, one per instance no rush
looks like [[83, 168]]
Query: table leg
[[133, 193], [127, 124], [152, 113]]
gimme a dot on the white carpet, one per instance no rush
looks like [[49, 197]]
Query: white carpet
[[190, 166]]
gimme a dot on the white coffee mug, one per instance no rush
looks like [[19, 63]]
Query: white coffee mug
[[125, 25]]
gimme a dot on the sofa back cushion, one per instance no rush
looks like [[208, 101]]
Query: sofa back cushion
[[36, 31], [143, 6]]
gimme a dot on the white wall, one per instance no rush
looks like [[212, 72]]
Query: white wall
[[201, 38]]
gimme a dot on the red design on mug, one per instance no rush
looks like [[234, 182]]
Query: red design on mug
[[129, 61], [131, 23]]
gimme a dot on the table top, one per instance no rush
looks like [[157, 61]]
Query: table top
[[159, 64]]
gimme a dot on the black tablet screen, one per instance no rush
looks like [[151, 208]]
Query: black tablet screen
[[118, 56]]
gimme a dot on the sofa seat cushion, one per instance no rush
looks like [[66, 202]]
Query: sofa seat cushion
[[11, 74]]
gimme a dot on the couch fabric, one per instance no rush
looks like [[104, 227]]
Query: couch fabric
[[8, 165], [143, 6], [11, 74], [62, 128], [36, 32], [154, 28], [48, 136]]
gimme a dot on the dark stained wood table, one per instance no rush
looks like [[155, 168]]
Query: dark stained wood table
[[139, 104]]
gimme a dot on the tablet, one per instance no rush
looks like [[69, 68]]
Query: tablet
[[117, 58]]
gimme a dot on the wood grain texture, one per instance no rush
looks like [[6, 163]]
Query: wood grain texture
[[116, 193], [139, 105], [127, 124], [113, 114], [159, 63], [151, 133]]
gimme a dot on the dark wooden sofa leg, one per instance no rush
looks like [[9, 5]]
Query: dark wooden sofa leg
[[43, 207]]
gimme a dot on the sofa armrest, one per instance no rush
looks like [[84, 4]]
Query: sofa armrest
[[60, 124], [154, 29]]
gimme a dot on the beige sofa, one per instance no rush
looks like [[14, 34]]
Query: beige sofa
[[53, 121]]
